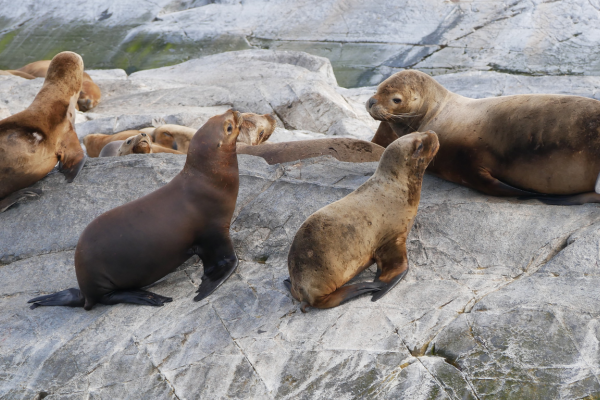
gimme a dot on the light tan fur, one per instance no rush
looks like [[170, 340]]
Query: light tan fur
[[369, 225]]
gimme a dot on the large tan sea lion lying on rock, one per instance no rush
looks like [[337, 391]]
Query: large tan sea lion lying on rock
[[34, 140], [369, 225], [140, 242], [90, 94], [534, 145], [343, 149]]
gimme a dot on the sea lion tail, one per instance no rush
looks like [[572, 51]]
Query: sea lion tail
[[70, 298]]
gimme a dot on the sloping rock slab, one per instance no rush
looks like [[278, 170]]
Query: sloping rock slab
[[502, 300]]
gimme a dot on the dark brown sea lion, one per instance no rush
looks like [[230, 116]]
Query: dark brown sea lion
[[255, 130], [369, 225], [90, 94], [344, 149], [536, 145], [34, 140], [136, 244]]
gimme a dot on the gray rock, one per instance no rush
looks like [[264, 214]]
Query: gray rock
[[365, 42], [501, 300]]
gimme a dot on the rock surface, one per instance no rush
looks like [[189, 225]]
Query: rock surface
[[501, 300], [365, 41]]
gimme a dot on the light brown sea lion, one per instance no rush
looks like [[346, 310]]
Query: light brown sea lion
[[17, 73], [535, 145], [90, 94], [140, 242], [344, 149], [34, 140], [255, 130], [369, 225], [140, 144], [95, 142]]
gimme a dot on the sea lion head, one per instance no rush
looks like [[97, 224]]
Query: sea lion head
[[89, 95], [66, 72], [140, 144], [409, 155], [403, 97], [256, 128], [218, 135]]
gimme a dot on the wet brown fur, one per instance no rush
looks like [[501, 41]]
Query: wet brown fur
[[34, 140], [343, 149], [369, 225], [136, 244], [535, 143]]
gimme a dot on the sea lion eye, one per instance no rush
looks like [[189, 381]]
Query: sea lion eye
[[397, 101], [229, 128], [261, 133], [129, 141]]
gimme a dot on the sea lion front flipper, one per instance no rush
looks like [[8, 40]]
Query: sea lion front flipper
[[72, 172], [137, 296], [17, 196], [69, 297], [490, 185], [215, 277], [569, 200], [389, 286]]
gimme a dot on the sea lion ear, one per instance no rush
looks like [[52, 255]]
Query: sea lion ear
[[418, 148], [237, 117]]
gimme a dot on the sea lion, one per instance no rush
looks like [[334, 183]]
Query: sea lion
[[90, 94], [95, 142], [17, 73], [344, 149], [140, 242], [140, 144], [369, 225], [255, 130], [533, 145], [34, 140]]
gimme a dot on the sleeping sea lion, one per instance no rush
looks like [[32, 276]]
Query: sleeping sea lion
[[533, 145], [255, 130], [140, 144], [95, 142], [369, 225], [140, 242], [90, 94], [34, 140], [17, 73], [344, 149]]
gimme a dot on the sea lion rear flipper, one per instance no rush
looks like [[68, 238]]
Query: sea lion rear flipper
[[597, 186], [213, 279], [569, 200], [346, 293], [389, 286], [72, 172], [69, 297], [136, 296], [15, 197]]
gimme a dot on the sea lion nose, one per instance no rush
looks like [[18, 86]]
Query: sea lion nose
[[143, 134], [372, 102]]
